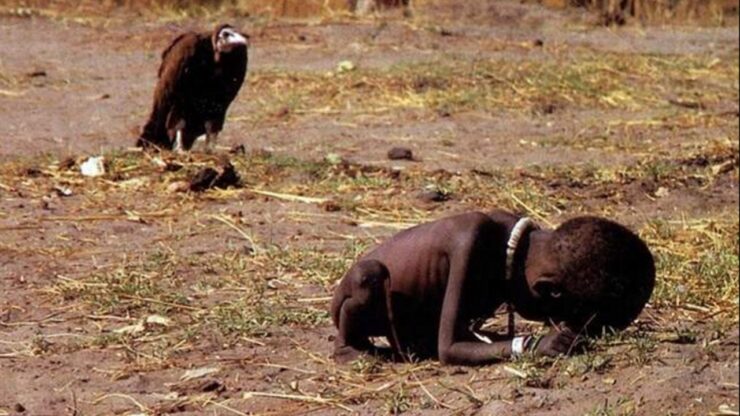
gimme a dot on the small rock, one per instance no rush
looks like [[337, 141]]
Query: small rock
[[545, 108], [208, 178], [400, 153], [228, 177], [33, 172], [538, 43], [203, 180], [36, 74], [19, 408], [444, 113], [434, 196], [331, 206], [549, 108]]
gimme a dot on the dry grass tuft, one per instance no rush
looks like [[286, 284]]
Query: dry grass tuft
[[652, 11], [606, 81], [616, 11], [271, 8]]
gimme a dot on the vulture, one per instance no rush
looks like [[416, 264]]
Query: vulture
[[200, 75]]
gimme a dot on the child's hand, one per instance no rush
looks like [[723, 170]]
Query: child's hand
[[560, 341]]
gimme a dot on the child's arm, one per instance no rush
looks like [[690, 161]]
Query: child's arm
[[452, 328], [556, 342]]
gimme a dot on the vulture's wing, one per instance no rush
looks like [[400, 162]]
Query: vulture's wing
[[175, 43], [176, 74], [178, 71]]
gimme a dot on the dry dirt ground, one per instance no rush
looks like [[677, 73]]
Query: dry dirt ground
[[122, 295]]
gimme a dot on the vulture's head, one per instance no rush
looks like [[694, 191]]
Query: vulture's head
[[226, 39]]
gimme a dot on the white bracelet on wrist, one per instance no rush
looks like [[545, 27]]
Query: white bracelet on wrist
[[517, 346]]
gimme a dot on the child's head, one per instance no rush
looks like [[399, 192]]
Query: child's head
[[599, 274]]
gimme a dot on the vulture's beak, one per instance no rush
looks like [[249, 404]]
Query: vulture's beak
[[237, 39]]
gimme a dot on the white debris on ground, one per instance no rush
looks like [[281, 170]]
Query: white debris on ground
[[93, 167]]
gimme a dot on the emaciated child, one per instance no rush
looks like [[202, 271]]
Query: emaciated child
[[429, 288]]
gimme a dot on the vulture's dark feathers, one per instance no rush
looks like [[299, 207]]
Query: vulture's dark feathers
[[199, 77]]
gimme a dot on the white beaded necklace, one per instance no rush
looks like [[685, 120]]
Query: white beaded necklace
[[521, 226]]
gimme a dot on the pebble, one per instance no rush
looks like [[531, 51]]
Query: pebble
[[433, 196], [400, 153]]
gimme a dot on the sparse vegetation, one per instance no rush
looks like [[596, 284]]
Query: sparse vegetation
[[616, 11], [139, 286], [584, 82]]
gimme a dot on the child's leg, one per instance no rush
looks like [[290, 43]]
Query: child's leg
[[359, 309]]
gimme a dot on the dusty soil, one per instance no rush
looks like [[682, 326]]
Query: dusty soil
[[236, 281]]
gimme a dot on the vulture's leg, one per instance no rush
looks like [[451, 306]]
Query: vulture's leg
[[177, 147], [212, 130], [176, 124], [211, 139]]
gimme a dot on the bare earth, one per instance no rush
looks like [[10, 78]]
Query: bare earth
[[111, 296]]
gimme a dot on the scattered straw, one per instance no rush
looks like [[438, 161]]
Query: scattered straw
[[300, 398], [122, 396], [290, 197], [241, 232]]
